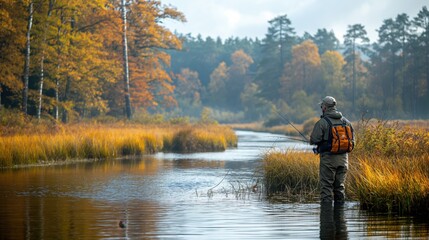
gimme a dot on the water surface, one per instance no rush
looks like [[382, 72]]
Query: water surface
[[177, 196]]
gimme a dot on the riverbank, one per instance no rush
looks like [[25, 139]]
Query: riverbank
[[100, 141], [388, 170]]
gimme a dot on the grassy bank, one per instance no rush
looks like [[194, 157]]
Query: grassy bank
[[97, 141], [389, 169]]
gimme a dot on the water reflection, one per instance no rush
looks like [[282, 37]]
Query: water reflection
[[166, 196], [333, 223]]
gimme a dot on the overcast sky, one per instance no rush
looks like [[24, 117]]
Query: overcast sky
[[249, 18]]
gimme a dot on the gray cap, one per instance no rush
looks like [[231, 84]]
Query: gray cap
[[328, 101]]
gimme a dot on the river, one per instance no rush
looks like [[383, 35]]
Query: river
[[177, 196]]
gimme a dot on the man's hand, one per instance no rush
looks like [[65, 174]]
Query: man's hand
[[316, 150]]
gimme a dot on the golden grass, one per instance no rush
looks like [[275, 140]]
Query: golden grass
[[390, 167], [391, 139], [291, 172], [108, 141], [203, 140], [387, 185]]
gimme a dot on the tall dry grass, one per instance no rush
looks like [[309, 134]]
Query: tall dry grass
[[390, 168], [391, 139], [391, 186], [203, 139], [108, 141], [292, 173]]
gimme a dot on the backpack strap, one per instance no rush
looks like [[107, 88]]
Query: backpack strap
[[329, 121], [327, 145]]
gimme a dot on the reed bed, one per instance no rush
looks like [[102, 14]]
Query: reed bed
[[109, 141], [386, 185], [203, 140], [388, 139], [292, 173], [390, 168]]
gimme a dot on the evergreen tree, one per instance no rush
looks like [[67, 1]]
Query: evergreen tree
[[421, 63], [275, 52], [355, 39], [325, 41]]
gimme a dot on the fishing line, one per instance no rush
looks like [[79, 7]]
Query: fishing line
[[290, 123], [315, 150], [210, 191]]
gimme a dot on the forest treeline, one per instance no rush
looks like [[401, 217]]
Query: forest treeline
[[75, 59], [67, 60], [245, 79]]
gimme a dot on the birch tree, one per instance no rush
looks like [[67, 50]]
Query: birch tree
[[125, 59], [27, 57]]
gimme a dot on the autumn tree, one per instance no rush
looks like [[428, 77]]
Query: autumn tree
[[126, 68], [254, 106], [26, 74], [332, 63], [69, 54], [238, 77], [303, 72], [227, 82], [218, 85], [44, 17], [80, 64], [188, 91], [12, 42], [150, 84]]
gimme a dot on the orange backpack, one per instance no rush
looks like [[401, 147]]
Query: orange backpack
[[340, 138]]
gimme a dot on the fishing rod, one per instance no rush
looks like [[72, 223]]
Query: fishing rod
[[297, 139], [315, 149], [289, 122]]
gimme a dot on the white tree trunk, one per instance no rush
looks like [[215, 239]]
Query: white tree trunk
[[125, 55], [27, 58], [39, 109], [42, 70]]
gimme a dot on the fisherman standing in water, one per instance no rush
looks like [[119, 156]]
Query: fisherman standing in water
[[333, 150]]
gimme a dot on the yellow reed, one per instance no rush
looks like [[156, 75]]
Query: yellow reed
[[98, 141]]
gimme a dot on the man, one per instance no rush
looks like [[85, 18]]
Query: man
[[333, 166]]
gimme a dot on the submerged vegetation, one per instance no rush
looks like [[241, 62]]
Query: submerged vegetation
[[99, 141], [389, 169]]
